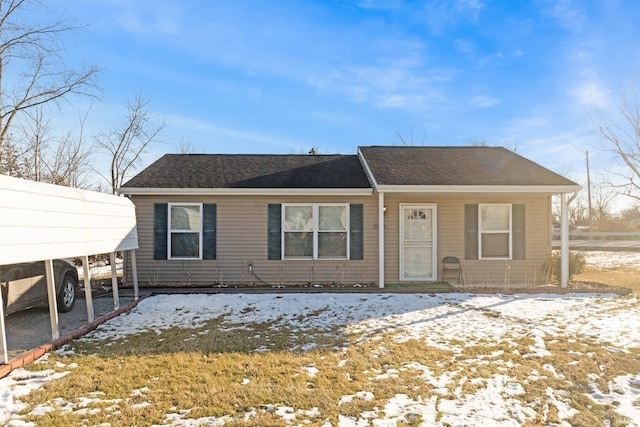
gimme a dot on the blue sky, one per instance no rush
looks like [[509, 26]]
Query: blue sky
[[283, 76]]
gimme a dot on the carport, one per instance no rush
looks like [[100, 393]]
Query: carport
[[43, 222]]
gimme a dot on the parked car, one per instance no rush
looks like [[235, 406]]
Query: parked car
[[25, 285]]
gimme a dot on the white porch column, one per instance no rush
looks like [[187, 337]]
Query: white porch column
[[53, 303], [381, 240], [564, 241]]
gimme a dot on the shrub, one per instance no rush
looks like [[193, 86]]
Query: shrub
[[552, 264]]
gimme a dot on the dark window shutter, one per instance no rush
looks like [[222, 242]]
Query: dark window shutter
[[471, 231], [274, 238], [209, 231], [160, 218], [356, 232], [518, 242]]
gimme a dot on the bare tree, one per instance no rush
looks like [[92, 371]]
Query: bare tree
[[602, 198], [12, 160], [410, 140], [36, 137], [31, 55], [127, 141], [623, 136], [47, 158], [185, 147], [69, 163]]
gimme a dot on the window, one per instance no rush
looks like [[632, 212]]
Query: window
[[185, 231], [315, 231], [495, 231]]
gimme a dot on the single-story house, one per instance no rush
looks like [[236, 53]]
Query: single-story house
[[388, 214]]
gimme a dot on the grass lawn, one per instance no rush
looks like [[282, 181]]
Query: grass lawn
[[627, 278], [347, 360]]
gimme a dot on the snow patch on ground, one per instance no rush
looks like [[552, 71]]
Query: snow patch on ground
[[603, 260], [446, 321]]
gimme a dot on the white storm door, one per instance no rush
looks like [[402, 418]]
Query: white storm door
[[417, 242]]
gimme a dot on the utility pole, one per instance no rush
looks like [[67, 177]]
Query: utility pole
[[589, 192], [586, 153]]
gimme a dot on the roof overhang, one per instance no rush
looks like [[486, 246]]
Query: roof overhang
[[245, 191], [545, 189]]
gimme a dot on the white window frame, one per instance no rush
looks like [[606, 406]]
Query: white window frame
[[509, 231], [316, 230], [171, 231]]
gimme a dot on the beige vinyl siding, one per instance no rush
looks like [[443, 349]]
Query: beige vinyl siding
[[242, 239], [451, 238], [241, 225]]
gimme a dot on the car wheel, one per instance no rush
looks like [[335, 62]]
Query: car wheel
[[67, 295]]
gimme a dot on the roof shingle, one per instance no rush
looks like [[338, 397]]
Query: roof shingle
[[456, 166], [252, 171], [389, 165]]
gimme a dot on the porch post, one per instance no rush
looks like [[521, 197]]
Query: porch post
[[564, 241], [381, 240]]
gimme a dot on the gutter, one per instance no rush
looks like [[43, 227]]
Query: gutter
[[548, 189], [134, 191]]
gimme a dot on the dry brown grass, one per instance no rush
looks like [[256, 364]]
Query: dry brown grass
[[213, 371], [628, 278], [139, 380]]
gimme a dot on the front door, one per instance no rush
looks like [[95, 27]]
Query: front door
[[417, 242]]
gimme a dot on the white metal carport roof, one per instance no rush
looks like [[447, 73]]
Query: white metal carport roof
[[43, 222]]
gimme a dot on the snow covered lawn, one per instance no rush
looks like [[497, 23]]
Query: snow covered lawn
[[344, 360]]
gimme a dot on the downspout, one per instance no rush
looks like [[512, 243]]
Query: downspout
[[564, 241], [381, 240]]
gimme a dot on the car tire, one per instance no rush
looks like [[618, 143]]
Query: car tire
[[67, 294]]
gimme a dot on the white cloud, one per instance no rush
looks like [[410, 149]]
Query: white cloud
[[566, 13], [464, 45], [333, 117], [222, 139], [380, 4], [159, 21], [475, 6], [484, 101], [395, 101], [592, 95]]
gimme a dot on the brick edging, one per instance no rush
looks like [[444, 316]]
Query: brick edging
[[34, 354]]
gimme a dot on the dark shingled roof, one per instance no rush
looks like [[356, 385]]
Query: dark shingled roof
[[252, 171], [456, 166]]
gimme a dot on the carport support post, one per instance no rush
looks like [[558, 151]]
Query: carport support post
[[134, 272], [3, 331], [114, 281], [53, 304], [88, 294]]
